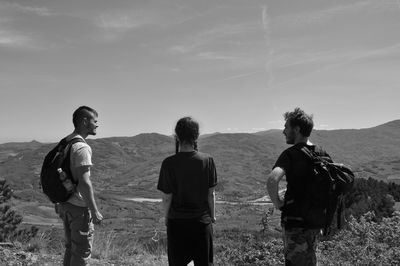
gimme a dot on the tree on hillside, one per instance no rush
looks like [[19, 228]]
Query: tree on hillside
[[10, 220], [371, 195]]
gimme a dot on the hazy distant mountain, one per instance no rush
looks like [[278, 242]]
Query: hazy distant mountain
[[130, 165]]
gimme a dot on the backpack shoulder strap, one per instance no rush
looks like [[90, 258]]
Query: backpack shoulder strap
[[68, 155], [72, 142], [304, 150], [316, 154], [76, 140]]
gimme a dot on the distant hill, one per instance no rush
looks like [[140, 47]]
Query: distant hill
[[130, 165]]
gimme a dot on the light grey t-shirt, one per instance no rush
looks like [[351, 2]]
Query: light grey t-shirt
[[81, 155]]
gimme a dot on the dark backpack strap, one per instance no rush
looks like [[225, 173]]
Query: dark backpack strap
[[76, 140], [68, 157], [318, 153], [307, 152], [70, 143]]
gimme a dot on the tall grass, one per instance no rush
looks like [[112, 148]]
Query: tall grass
[[128, 249], [49, 241]]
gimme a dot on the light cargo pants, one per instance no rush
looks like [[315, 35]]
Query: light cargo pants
[[79, 231]]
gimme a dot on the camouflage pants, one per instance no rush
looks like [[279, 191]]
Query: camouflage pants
[[79, 230], [299, 246]]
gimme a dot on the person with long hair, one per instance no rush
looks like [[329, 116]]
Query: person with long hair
[[187, 180]]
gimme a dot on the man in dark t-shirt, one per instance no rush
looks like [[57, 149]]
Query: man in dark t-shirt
[[300, 239]]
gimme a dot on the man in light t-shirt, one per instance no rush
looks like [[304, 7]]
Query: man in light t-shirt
[[80, 212]]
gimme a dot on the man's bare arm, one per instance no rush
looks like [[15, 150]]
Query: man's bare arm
[[85, 188], [166, 203], [273, 186], [211, 203]]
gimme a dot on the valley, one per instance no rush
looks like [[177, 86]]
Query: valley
[[125, 175]]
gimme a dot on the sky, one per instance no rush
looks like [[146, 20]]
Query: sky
[[234, 65]]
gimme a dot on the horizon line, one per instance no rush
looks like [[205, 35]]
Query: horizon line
[[21, 140]]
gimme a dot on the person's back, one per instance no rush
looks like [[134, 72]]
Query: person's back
[[193, 174], [187, 180], [298, 170]]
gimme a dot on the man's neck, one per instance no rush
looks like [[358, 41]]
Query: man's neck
[[304, 140], [80, 133]]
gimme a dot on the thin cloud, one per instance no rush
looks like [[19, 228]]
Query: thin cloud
[[179, 49], [220, 33], [40, 11], [319, 17], [226, 44], [114, 26], [342, 59], [307, 58], [241, 75], [332, 58], [268, 51], [14, 40], [215, 56], [119, 23], [197, 15]]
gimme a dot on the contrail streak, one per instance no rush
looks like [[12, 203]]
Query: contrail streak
[[241, 75], [350, 59], [269, 51]]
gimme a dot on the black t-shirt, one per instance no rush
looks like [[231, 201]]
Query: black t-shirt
[[188, 176], [297, 170]]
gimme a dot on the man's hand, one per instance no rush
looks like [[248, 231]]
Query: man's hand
[[57, 208], [279, 204], [97, 217]]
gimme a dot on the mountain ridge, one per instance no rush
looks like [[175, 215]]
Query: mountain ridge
[[130, 165], [394, 123]]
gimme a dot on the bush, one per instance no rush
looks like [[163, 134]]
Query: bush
[[365, 242], [235, 247], [10, 220]]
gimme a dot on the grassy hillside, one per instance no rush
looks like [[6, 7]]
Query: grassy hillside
[[133, 233]]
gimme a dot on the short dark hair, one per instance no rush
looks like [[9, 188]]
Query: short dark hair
[[187, 130], [299, 118], [80, 113]]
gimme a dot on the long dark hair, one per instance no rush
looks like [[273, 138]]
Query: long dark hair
[[186, 130]]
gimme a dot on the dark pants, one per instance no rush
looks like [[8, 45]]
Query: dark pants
[[299, 246], [189, 240], [79, 230]]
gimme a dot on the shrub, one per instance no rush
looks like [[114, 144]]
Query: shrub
[[10, 220], [365, 242]]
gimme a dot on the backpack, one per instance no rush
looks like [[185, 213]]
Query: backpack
[[55, 163], [325, 188]]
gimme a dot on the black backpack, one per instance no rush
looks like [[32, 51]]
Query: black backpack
[[58, 157], [324, 192]]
